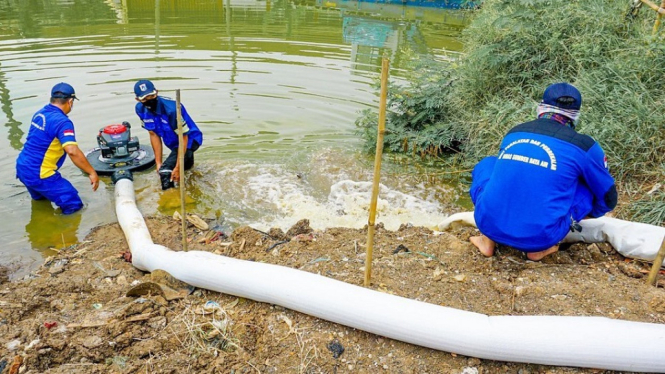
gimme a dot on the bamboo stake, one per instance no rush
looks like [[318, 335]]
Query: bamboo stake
[[181, 168], [658, 17], [660, 10], [657, 263], [385, 66]]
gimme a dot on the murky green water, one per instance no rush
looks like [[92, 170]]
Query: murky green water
[[274, 86]]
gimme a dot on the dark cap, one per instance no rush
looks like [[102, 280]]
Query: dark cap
[[563, 95], [144, 88], [63, 90]]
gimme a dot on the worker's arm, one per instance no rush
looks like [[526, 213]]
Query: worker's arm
[[78, 158], [597, 176], [156, 143], [175, 175]]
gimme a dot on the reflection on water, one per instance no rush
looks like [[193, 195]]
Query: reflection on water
[[275, 86], [49, 231], [14, 131]]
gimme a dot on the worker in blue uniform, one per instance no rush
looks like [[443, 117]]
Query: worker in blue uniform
[[545, 179], [50, 137], [158, 115]]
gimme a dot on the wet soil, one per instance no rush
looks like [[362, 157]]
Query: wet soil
[[73, 316]]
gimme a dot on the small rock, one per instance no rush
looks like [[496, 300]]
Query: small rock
[[56, 269], [657, 304], [92, 341], [121, 280]]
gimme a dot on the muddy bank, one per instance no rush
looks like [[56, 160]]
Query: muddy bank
[[73, 315]]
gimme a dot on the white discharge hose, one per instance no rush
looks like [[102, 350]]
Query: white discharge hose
[[631, 239], [593, 342]]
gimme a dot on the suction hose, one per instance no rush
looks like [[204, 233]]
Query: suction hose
[[592, 342]]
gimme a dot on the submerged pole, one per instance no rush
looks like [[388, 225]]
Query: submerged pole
[[181, 168], [385, 67]]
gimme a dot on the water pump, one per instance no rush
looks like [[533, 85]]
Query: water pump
[[119, 150]]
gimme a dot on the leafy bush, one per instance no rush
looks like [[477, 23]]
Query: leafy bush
[[417, 121]]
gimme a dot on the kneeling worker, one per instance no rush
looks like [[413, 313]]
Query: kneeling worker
[[51, 135], [159, 116], [546, 178]]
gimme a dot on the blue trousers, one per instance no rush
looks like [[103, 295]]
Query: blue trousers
[[56, 189]]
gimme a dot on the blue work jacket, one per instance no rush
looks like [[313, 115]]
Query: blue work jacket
[[43, 153], [164, 122], [545, 177]]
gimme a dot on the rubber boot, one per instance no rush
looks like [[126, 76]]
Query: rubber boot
[[165, 178]]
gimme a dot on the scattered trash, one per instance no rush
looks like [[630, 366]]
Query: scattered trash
[[319, 259], [192, 219], [469, 370], [31, 345], [208, 308], [13, 345], [16, 364], [97, 306], [118, 361], [50, 324], [229, 305], [276, 244], [127, 256], [210, 236], [336, 348], [58, 267], [197, 222], [401, 248], [3, 364]]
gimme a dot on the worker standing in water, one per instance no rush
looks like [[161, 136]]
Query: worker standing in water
[[50, 137], [159, 116]]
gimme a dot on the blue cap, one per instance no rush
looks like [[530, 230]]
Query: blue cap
[[563, 95], [144, 88], [63, 90]]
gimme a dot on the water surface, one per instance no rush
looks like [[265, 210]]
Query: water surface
[[275, 87]]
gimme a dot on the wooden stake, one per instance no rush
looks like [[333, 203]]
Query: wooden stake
[[657, 263], [653, 6], [181, 167], [385, 67], [658, 17]]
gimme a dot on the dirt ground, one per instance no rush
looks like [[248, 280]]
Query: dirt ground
[[73, 315]]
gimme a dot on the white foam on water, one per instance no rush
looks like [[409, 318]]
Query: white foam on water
[[268, 195]]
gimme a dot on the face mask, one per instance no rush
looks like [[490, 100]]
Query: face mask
[[151, 104]]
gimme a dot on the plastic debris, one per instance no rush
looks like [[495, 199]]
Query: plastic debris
[[208, 308], [336, 348], [13, 345], [50, 324]]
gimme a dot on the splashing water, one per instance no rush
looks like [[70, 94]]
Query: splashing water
[[272, 195]]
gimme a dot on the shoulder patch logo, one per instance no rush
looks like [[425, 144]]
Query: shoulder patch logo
[[605, 161], [68, 133]]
